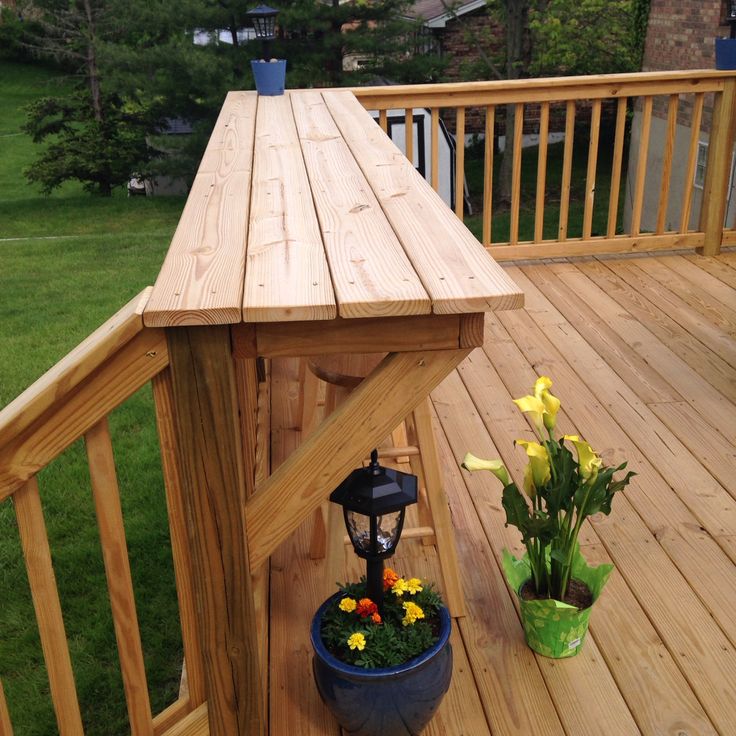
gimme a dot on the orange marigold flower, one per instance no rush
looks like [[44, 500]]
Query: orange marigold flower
[[366, 607], [376, 618], [389, 578]]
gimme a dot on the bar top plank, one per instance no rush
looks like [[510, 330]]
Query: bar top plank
[[371, 273], [454, 267], [201, 281], [304, 210]]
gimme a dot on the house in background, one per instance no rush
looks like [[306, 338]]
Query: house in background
[[680, 35]]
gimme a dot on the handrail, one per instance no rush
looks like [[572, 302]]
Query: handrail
[[580, 99], [71, 400], [539, 89]]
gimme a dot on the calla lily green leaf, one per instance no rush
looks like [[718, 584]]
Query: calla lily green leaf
[[472, 463]]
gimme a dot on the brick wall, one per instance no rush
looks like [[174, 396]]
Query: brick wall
[[681, 35]]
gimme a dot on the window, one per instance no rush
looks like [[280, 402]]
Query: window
[[700, 165]]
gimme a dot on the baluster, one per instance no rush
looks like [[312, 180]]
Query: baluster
[[595, 129], [618, 155], [541, 172], [567, 170], [488, 174], [669, 147], [6, 727], [460, 162], [692, 160], [106, 496], [516, 172], [435, 148], [409, 133], [180, 549], [641, 166], [383, 120], [35, 543]]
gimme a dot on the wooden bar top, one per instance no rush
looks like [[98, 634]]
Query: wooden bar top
[[304, 210]]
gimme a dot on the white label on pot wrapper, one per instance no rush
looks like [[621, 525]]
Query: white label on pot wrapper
[[573, 643]]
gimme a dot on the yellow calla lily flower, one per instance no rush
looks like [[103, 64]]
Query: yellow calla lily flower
[[529, 488], [588, 460], [535, 408], [538, 468], [471, 462], [551, 403]]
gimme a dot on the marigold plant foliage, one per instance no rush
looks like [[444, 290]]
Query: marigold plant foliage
[[356, 632]]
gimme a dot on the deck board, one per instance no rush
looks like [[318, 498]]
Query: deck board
[[642, 380]]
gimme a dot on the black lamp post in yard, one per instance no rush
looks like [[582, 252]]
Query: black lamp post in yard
[[731, 17], [374, 500], [269, 74]]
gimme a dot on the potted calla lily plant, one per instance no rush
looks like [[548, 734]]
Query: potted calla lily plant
[[555, 585]]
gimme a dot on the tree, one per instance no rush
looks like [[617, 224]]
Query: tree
[[93, 135]]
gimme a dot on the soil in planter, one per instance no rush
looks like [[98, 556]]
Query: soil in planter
[[578, 594]]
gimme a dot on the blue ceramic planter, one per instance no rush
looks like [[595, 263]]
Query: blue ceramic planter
[[726, 53], [270, 76], [395, 701]]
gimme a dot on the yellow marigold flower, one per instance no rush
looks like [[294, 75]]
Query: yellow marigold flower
[[412, 612], [400, 587], [348, 605], [414, 585], [357, 641]]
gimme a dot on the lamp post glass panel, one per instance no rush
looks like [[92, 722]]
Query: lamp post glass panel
[[374, 501], [264, 24]]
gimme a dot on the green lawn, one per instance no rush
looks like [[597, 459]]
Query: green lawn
[[54, 293]]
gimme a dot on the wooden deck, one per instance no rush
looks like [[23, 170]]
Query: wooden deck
[[642, 352]]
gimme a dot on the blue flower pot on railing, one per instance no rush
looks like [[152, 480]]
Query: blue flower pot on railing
[[726, 53], [270, 76], [392, 701]]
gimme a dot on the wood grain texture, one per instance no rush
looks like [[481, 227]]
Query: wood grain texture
[[557, 89], [516, 172], [459, 162], [287, 277], [618, 155], [541, 172], [163, 396], [488, 173], [213, 490], [566, 170], [641, 166], [42, 581], [60, 425], [451, 263], [718, 168], [338, 445], [6, 727], [692, 159], [106, 496], [194, 724], [73, 369], [371, 274], [394, 334], [669, 148], [409, 133], [172, 715], [435, 148], [644, 243], [201, 280], [595, 131]]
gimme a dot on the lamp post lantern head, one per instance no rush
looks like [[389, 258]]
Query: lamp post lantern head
[[731, 17], [374, 500], [264, 22]]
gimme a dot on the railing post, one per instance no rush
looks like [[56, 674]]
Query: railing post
[[718, 169], [213, 490]]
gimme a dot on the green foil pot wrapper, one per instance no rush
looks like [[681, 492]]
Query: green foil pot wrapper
[[552, 628]]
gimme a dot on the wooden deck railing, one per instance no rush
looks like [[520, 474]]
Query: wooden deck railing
[[72, 401], [619, 95]]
